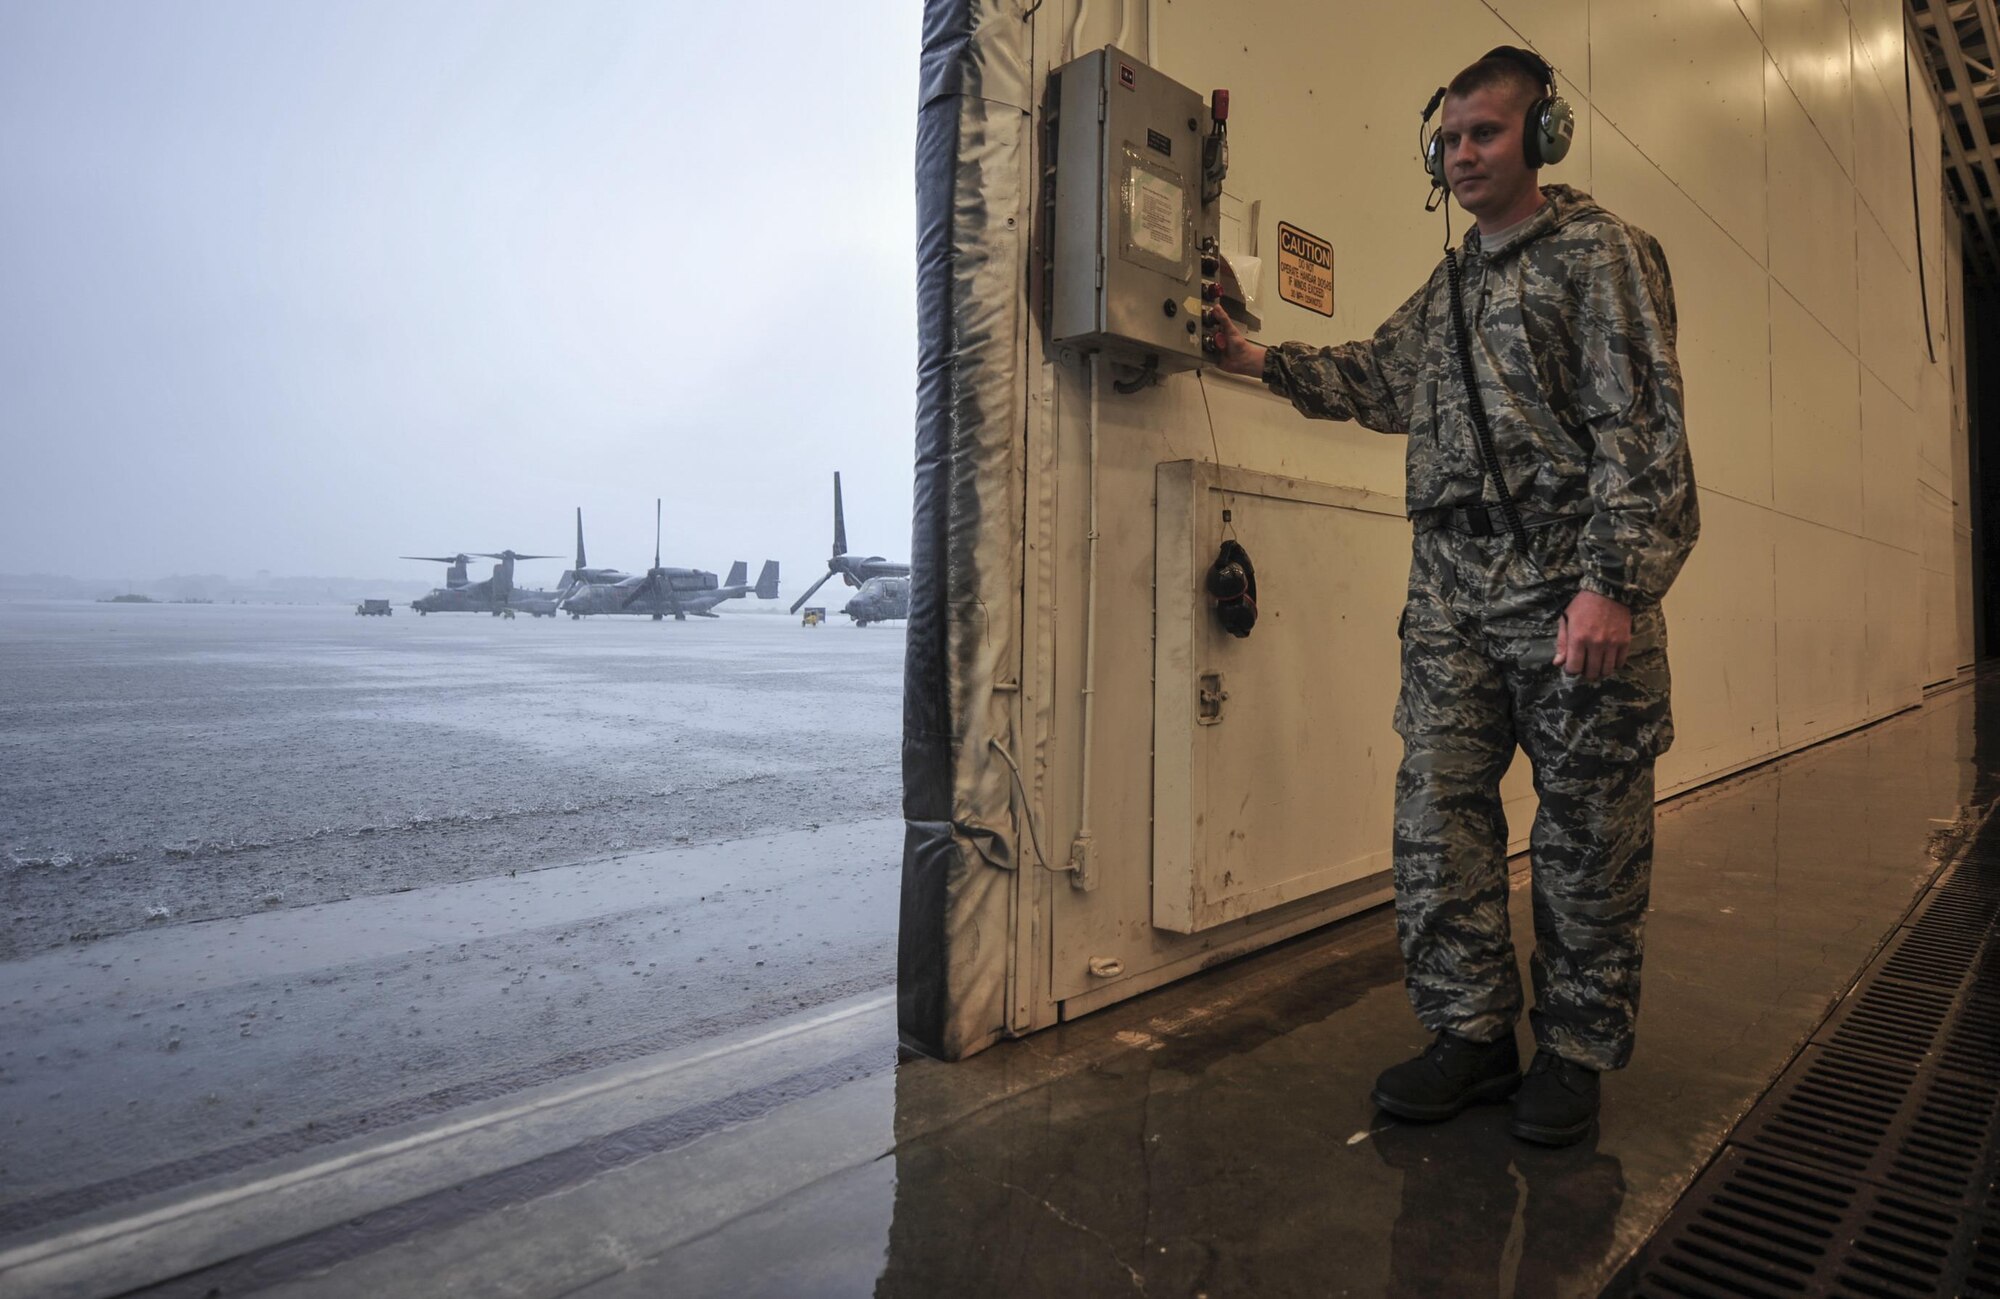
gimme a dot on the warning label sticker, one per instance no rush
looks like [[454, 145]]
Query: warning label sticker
[[1305, 269], [1156, 216]]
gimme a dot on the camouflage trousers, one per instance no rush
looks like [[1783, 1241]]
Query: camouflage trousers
[[1478, 681]]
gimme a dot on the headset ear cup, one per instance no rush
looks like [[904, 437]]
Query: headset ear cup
[[1532, 129], [1557, 131], [1434, 160]]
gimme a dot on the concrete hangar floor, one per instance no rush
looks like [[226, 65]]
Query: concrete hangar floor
[[1214, 1138]]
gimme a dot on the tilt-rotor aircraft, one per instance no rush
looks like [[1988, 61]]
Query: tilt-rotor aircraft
[[496, 595], [662, 591], [884, 594]]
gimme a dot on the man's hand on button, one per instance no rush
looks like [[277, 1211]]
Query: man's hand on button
[[1593, 636], [1233, 352]]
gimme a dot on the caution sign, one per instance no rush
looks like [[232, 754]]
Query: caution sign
[[1305, 269]]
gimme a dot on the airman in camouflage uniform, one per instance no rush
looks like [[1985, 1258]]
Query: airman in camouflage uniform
[[1572, 329]]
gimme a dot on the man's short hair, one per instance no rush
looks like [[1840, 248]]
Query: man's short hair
[[1497, 71]]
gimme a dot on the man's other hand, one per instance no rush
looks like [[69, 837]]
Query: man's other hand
[[1233, 352], [1593, 636]]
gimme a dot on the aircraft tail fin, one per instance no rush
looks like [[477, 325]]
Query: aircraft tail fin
[[767, 581], [739, 574]]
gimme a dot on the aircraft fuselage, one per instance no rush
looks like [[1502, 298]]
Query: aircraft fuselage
[[880, 599]]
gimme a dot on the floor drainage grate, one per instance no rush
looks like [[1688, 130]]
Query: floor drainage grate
[[1757, 1226], [1870, 1167], [1920, 1129], [1982, 1277]]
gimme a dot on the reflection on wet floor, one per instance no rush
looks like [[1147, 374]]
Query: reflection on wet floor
[[1215, 1137], [1236, 1154]]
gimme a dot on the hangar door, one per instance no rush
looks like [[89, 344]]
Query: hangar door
[[1269, 781]]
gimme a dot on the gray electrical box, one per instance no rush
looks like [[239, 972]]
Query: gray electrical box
[[1132, 238]]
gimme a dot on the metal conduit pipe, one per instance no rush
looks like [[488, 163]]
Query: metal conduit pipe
[[1081, 873]]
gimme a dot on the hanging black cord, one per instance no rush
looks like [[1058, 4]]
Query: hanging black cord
[[1147, 373], [1482, 433], [1916, 214]]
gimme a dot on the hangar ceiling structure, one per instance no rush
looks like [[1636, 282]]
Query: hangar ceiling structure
[[1957, 40]]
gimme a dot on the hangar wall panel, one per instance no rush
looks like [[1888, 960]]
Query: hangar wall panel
[[1822, 641], [1722, 628], [1888, 466], [1765, 145], [1812, 212], [1810, 44], [1815, 418]]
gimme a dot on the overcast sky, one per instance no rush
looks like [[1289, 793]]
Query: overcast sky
[[305, 286]]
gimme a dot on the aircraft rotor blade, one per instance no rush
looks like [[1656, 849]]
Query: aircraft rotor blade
[[437, 559], [656, 532], [839, 519], [632, 596], [800, 602], [581, 564]]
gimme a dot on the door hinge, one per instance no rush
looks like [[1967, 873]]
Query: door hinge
[[1082, 864]]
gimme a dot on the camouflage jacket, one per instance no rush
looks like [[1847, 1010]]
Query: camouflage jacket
[[1573, 328]]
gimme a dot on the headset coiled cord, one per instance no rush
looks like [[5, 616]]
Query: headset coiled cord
[[1482, 434]]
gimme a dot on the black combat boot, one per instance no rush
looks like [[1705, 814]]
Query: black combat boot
[[1452, 1073], [1557, 1103]]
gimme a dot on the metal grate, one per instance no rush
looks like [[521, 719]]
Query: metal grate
[[1760, 1227], [1973, 1043], [1982, 1276], [1870, 1167], [1901, 1004], [1920, 1129]]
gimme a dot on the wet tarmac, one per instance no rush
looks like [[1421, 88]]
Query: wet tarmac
[[463, 857], [153, 1059], [173, 763]]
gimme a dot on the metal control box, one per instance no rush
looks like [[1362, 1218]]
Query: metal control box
[[1129, 227]]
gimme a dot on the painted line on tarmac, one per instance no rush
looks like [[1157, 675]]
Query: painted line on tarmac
[[51, 1249]]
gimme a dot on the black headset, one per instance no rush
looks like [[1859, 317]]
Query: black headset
[[1546, 133], [1232, 583]]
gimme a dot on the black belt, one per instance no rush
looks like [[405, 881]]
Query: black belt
[[1481, 520]]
